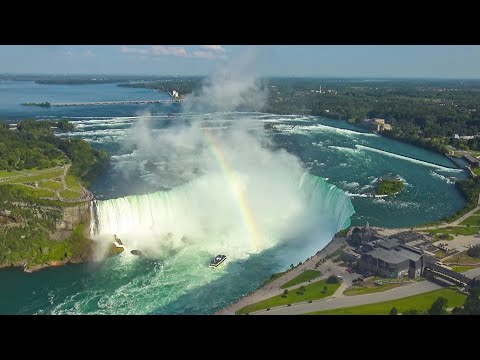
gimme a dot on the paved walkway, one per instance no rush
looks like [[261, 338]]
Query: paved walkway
[[273, 288], [346, 301]]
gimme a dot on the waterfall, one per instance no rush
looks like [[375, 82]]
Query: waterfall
[[205, 212]]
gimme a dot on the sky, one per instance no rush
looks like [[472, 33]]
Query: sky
[[443, 61]]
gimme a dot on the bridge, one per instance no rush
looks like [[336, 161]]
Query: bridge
[[119, 102], [450, 275]]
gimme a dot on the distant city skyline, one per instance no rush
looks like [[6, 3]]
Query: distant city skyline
[[376, 61]]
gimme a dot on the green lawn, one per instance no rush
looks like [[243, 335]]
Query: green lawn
[[455, 230], [356, 290], [313, 292], [35, 192], [476, 171], [6, 174], [43, 176], [69, 194], [73, 182], [443, 237], [49, 184], [420, 302], [462, 258], [473, 220], [305, 276], [462, 268]]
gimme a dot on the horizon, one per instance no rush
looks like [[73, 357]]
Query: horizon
[[330, 77], [310, 61]]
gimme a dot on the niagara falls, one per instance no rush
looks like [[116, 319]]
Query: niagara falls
[[235, 192]]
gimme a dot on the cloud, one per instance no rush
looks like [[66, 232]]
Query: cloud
[[131, 50], [89, 54], [169, 50], [156, 50], [218, 48], [204, 54], [211, 52], [68, 53]]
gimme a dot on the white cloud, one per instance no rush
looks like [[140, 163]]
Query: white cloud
[[204, 54], [168, 50], [131, 50], [156, 50], [211, 52], [218, 48]]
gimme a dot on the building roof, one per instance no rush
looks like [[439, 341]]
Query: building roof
[[394, 255], [408, 254], [470, 158], [388, 243], [389, 256]]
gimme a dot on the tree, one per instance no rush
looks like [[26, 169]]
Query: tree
[[439, 306], [394, 311], [325, 289], [302, 288], [457, 310], [332, 279], [472, 302], [474, 251]]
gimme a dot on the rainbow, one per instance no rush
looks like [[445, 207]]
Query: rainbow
[[239, 193]]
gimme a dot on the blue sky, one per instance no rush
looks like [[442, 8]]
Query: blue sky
[[278, 60]]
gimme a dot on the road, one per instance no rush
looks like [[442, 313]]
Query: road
[[473, 273], [274, 288], [346, 301]]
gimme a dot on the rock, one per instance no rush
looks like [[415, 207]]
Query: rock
[[136, 252], [72, 216]]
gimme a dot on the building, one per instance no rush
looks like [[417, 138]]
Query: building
[[473, 161], [360, 236], [390, 258], [175, 94], [376, 124]]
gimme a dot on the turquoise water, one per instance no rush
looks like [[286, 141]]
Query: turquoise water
[[178, 281]]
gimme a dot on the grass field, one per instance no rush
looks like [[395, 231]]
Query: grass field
[[36, 192], [42, 176], [462, 268], [73, 182], [455, 230], [356, 290], [6, 174], [420, 302], [462, 258], [473, 220], [49, 184], [305, 276], [443, 237], [313, 292], [69, 194]]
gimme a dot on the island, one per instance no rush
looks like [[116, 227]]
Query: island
[[44, 104], [389, 186]]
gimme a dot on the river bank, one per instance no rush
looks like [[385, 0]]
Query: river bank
[[273, 288]]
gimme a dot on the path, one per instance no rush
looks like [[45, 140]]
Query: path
[[273, 288], [29, 174], [347, 301], [456, 222]]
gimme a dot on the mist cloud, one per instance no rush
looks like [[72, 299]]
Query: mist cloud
[[237, 172]]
